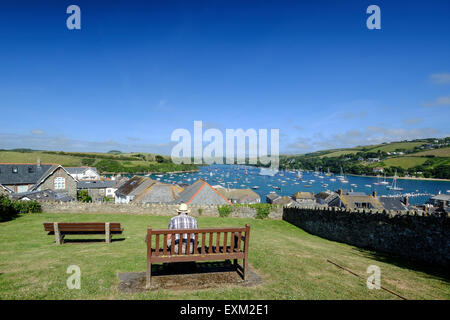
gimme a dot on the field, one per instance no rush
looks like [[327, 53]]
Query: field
[[292, 263], [104, 162], [404, 162], [442, 152]]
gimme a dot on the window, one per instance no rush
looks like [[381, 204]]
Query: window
[[59, 183], [30, 170]]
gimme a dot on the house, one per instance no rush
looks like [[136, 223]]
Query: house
[[378, 170], [159, 193], [271, 197], [284, 201], [239, 196], [395, 203], [373, 159], [440, 199], [98, 189], [132, 188], [83, 173], [24, 177], [201, 192], [4, 190], [304, 197], [325, 197], [356, 200], [42, 196]]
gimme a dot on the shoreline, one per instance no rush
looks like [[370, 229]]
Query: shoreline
[[405, 178]]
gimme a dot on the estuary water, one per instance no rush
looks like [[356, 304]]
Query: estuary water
[[290, 182]]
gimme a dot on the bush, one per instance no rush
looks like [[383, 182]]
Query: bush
[[10, 209], [84, 196], [262, 210], [225, 210]]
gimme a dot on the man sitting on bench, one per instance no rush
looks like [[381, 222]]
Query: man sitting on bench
[[182, 221]]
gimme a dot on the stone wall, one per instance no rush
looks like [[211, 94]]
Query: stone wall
[[151, 209], [412, 235]]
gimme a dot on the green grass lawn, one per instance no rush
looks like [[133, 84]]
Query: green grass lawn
[[291, 262]]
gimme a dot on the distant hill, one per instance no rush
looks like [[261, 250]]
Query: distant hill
[[104, 162], [429, 158]]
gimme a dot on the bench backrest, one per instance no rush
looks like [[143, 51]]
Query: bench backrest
[[224, 240], [82, 226]]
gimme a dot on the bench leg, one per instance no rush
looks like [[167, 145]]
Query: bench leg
[[58, 237], [148, 282], [245, 267], [107, 233]]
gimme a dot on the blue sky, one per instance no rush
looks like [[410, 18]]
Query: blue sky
[[137, 70]]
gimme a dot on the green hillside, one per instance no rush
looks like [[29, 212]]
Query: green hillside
[[111, 162], [429, 158]]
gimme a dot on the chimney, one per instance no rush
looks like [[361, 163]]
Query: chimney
[[406, 201], [38, 162], [374, 193], [340, 192]]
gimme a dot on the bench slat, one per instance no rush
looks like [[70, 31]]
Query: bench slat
[[225, 244], [203, 243], [157, 244]]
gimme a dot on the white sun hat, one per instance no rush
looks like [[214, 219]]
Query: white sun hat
[[183, 208]]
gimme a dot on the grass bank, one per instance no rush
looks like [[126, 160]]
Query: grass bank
[[292, 263]]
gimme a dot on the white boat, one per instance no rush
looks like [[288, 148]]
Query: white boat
[[394, 184]]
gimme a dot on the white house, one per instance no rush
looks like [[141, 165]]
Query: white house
[[83, 173]]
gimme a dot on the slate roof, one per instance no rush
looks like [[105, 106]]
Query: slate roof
[[441, 197], [239, 195], [42, 196], [200, 192], [159, 193], [96, 184], [16, 174], [303, 195], [134, 186], [79, 170], [272, 196], [351, 201], [394, 203], [6, 188]]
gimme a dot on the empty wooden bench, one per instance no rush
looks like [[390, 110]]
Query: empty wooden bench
[[209, 244], [61, 229]]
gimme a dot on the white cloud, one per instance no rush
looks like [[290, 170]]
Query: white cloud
[[37, 132], [440, 78], [441, 101], [62, 143]]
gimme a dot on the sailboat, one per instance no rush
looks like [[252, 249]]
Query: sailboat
[[341, 175], [384, 181], [394, 184], [328, 173]]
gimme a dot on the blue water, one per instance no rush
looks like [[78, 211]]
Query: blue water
[[235, 176]]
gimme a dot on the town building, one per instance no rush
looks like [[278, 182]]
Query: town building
[[83, 173], [159, 193], [439, 200], [304, 197], [99, 189], [201, 192], [271, 197], [395, 203], [239, 196], [325, 197], [378, 170], [356, 200], [25, 177], [130, 189]]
